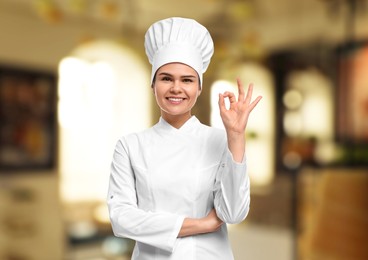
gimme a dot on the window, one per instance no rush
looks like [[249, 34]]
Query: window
[[103, 94]]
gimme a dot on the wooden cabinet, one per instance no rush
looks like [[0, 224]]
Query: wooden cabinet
[[31, 226]]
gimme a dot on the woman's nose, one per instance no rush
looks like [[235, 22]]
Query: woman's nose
[[175, 86]]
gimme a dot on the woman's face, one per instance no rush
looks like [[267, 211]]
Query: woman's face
[[176, 88]]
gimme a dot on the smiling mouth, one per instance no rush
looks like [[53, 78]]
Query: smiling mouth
[[172, 99]]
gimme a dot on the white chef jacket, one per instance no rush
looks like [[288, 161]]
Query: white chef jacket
[[162, 175]]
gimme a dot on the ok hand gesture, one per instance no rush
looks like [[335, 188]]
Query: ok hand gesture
[[235, 118]]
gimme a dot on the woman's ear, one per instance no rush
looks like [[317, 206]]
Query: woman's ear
[[199, 90]]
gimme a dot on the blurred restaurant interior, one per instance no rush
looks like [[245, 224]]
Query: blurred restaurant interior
[[74, 78]]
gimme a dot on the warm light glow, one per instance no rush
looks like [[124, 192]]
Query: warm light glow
[[85, 93], [292, 99], [327, 152], [293, 123], [317, 116], [73, 73], [314, 116]]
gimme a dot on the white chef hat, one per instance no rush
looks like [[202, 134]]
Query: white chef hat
[[179, 40]]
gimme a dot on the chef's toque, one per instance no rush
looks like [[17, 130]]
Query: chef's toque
[[179, 40]]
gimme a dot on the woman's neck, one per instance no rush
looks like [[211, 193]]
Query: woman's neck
[[176, 121]]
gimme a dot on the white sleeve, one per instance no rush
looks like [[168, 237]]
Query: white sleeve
[[232, 190], [158, 229]]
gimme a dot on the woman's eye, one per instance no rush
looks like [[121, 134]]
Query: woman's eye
[[166, 78], [187, 80]]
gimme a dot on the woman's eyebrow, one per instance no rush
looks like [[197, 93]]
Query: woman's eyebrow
[[164, 74], [188, 76]]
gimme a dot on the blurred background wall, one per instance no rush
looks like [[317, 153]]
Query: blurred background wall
[[74, 78]]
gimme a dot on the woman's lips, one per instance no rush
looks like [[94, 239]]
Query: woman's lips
[[175, 100]]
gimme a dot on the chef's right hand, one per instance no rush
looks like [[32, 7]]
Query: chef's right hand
[[195, 226], [211, 222]]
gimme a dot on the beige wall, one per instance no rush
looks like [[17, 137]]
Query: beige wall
[[29, 41]]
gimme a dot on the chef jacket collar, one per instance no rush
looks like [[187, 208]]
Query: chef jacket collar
[[186, 127]]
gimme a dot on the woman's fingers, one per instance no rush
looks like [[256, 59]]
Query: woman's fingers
[[249, 98], [240, 89], [242, 99], [249, 93], [221, 102], [241, 93], [255, 102], [230, 95]]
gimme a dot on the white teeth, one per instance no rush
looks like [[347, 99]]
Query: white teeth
[[175, 99]]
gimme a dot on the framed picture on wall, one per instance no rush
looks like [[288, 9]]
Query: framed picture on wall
[[27, 120]]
